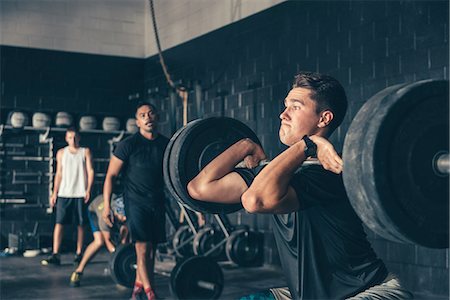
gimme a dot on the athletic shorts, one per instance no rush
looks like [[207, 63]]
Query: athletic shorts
[[70, 210], [97, 223], [146, 224]]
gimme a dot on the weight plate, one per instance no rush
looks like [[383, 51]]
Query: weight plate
[[195, 146], [167, 162], [182, 241], [245, 248], [388, 163], [197, 277], [206, 239], [122, 265]]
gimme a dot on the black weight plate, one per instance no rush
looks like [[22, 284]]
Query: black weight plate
[[187, 277], [122, 265], [180, 243], [388, 156], [167, 162], [245, 248], [196, 146], [206, 239]]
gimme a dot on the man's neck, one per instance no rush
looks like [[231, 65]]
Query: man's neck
[[74, 148], [149, 135]]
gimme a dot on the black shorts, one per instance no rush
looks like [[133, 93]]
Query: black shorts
[[69, 209], [146, 224]]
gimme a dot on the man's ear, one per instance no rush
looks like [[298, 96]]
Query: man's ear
[[325, 118]]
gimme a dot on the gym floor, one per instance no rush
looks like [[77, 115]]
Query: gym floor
[[25, 278]]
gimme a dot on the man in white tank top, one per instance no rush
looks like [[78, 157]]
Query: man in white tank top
[[71, 191]]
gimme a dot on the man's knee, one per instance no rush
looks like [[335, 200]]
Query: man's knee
[[143, 248]]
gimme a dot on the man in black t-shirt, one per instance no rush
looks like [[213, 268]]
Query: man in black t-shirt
[[140, 157], [322, 245]]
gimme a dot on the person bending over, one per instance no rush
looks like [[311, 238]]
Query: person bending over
[[101, 232], [330, 257]]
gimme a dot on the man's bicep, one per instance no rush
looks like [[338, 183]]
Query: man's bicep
[[227, 189], [89, 163], [59, 155], [289, 203], [115, 165]]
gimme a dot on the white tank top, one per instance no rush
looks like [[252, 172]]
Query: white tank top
[[74, 174]]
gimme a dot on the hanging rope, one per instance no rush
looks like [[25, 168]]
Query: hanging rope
[[181, 91], [158, 44]]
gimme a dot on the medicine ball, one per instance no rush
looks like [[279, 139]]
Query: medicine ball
[[131, 126], [40, 120], [63, 119], [111, 124], [88, 123], [18, 119]]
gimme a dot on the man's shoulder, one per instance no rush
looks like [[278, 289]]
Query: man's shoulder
[[128, 140], [164, 139], [61, 151]]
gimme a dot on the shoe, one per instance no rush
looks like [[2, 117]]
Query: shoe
[[75, 279], [77, 258], [137, 294], [51, 260], [150, 295]]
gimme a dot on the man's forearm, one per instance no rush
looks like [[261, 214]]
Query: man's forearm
[[226, 162], [90, 181], [271, 184], [57, 183], [107, 190]]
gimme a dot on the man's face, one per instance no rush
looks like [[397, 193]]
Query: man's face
[[72, 139], [146, 118], [299, 117]]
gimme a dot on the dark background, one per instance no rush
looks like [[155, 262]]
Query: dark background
[[241, 69]]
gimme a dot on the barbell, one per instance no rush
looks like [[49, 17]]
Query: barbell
[[196, 277], [395, 155]]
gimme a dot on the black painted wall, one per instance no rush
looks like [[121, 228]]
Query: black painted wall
[[52, 81], [367, 45]]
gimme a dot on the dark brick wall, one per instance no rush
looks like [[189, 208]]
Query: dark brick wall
[[51, 81], [245, 71]]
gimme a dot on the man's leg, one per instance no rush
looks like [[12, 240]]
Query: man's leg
[[151, 262], [107, 239], [90, 252], [57, 237], [143, 252], [80, 239], [54, 259]]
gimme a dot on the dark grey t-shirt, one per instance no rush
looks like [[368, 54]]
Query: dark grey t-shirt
[[323, 248], [143, 180]]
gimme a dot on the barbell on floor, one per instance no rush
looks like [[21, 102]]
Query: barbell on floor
[[395, 162], [196, 277]]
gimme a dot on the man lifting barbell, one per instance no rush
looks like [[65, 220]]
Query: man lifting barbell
[[335, 260], [141, 158]]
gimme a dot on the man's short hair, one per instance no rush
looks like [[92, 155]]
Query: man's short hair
[[144, 103], [328, 94], [72, 129]]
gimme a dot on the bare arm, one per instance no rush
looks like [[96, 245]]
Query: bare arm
[[90, 173], [58, 177], [270, 192], [115, 165], [217, 182]]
